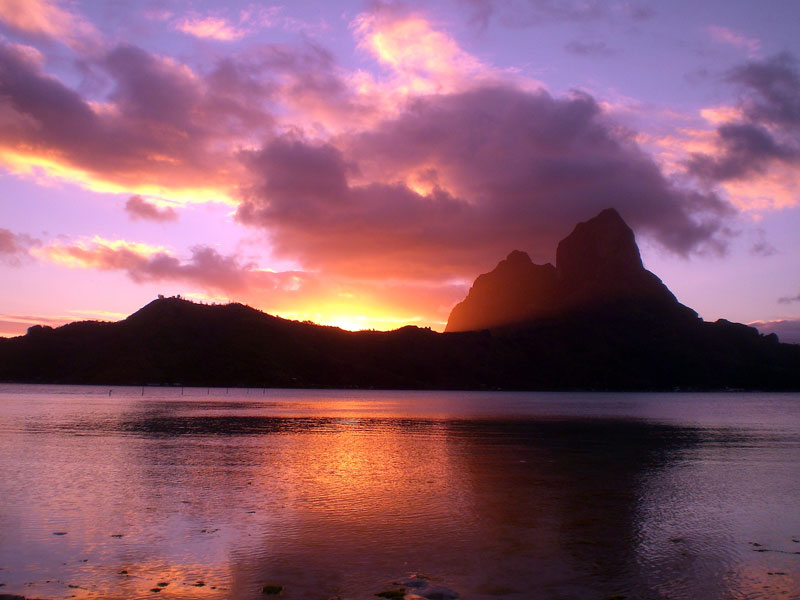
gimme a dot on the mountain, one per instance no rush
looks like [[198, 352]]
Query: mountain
[[174, 341], [516, 290], [596, 321], [597, 265]]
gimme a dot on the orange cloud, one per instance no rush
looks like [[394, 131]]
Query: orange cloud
[[175, 138], [210, 276], [717, 115], [423, 59], [748, 151], [13, 325], [775, 189], [142, 262], [47, 19], [215, 28], [99, 253]]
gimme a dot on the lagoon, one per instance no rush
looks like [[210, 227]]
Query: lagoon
[[109, 492]]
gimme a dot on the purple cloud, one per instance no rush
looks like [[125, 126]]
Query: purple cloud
[[772, 89], [139, 208], [206, 268], [579, 48], [160, 124], [15, 246], [767, 132], [541, 12], [789, 299], [502, 168]]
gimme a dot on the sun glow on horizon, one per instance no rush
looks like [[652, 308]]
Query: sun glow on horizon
[[354, 320]]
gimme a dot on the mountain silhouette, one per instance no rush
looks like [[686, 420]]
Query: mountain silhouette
[[598, 320], [597, 265]]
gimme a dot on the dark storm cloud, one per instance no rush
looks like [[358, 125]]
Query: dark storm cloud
[[139, 208], [768, 132], [504, 169]]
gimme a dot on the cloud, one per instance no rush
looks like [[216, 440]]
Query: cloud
[[724, 35], [250, 20], [14, 246], [772, 88], [47, 19], [789, 299], [144, 263], [139, 208], [579, 48], [215, 28], [311, 91], [541, 12], [756, 147], [435, 168], [460, 179], [327, 299], [14, 325], [787, 330], [161, 129], [762, 247], [165, 130], [743, 149], [422, 59]]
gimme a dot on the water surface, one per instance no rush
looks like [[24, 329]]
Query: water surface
[[107, 492]]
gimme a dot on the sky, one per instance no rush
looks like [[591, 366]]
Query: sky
[[359, 164]]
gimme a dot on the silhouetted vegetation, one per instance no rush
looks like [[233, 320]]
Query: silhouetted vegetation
[[604, 323], [619, 346]]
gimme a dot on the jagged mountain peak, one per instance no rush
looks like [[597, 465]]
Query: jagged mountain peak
[[597, 264], [517, 289], [604, 244]]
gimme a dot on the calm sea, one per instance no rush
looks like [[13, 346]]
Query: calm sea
[[215, 493]]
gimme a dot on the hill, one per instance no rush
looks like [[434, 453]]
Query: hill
[[596, 321]]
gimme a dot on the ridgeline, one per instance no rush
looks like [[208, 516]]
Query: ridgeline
[[596, 321]]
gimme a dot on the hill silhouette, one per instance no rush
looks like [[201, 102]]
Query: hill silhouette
[[596, 321]]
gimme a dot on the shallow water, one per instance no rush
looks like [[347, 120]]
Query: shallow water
[[340, 493]]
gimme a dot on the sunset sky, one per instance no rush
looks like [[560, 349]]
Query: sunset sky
[[360, 163]]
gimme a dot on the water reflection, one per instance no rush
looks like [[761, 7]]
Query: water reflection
[[340, 497]]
